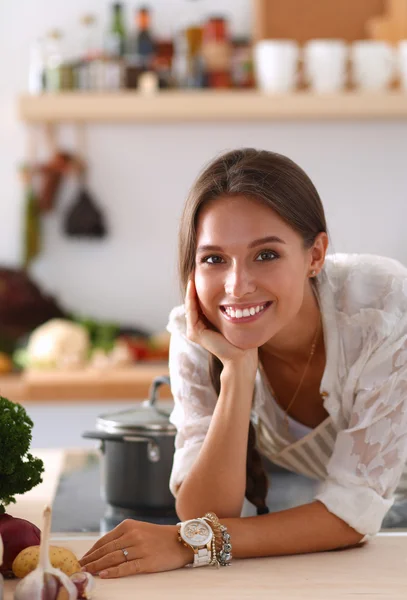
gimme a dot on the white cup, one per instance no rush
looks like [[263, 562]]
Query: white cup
[[276, 65], [325, 64], [402, 63], [373, 64]]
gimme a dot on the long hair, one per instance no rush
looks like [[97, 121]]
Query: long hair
[[279, 183]]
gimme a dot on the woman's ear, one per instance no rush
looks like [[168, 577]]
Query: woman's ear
[[318, 253]]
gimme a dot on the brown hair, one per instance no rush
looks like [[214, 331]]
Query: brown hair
[[278, 182]]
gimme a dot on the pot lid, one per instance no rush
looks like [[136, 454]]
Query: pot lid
[[148, 416], [144, 417]]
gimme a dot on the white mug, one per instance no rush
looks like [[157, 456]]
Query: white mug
[[276, 65], [325, 64], [373, 64], [402, 63]]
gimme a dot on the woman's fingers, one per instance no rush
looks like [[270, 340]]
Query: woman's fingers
[[105, 562], [112, 554], [192, 311], [115, 534], [95, 554], [131, 567]]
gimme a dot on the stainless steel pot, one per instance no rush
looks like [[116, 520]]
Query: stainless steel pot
[[138, 449]]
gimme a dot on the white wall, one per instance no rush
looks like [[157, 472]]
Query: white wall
[[140, 175]]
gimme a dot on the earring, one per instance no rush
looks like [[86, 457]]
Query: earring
[[313, 273]]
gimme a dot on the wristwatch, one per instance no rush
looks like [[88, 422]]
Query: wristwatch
[[197, 535]]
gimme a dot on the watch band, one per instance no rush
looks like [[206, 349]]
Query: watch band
[[202, 558]]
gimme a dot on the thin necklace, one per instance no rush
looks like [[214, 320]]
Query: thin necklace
[[311, 354]]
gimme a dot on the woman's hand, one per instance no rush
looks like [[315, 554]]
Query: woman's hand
[[151, 548], [199, 332]]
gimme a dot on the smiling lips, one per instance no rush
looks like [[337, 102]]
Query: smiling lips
[[245, 314]]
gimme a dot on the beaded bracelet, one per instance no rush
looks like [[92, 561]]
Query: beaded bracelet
[[224, 555]]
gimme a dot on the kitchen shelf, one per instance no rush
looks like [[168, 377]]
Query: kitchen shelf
[[209, 105], [129, 383]]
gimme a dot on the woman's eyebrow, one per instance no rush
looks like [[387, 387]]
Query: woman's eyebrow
[[266, 240]]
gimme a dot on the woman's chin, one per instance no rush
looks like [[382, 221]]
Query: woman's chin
[[244, 342]]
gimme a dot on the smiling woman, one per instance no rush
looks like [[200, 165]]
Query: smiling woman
[[279, 351]]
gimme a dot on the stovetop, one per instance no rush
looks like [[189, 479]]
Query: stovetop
[[79, 505]]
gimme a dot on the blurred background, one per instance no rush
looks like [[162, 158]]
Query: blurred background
[[107, 114]]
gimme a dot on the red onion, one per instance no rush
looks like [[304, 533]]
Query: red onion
[[17, 534]]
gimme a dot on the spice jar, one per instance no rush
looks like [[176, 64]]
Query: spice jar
[[216, 52]]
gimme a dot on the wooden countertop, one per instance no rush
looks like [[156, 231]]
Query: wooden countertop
[[375, 570], [83, 384]]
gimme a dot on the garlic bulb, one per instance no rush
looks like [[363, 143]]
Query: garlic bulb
[[84, 583], [45, 582]]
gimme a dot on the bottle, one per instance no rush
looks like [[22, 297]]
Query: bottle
[[116, 36], [89, 46], [36, 72], [216, 52], [187, 60], [88, 53], [53, 61], [144, 45]]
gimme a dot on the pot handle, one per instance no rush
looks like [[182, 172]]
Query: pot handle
[[158, 382], [152, 399], [153, 450]]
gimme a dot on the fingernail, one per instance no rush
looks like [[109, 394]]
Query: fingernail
[[103, 573]]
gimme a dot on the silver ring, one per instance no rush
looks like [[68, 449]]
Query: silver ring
[[125, 552]]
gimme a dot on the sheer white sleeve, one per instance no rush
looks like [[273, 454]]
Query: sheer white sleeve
[[194, 397], [370, 454]]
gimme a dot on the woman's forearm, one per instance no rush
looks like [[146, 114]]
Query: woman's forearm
[[303, 529], [217, 480]]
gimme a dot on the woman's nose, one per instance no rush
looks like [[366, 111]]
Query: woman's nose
[[239, 283]]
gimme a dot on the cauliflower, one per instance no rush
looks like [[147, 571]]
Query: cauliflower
[[58, 344]]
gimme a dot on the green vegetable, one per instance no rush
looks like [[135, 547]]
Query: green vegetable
[[102, 334], [19, 470]]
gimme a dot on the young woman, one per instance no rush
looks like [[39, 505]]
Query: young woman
[[279, 351]]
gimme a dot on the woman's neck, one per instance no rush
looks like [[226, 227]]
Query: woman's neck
[[293, 343]]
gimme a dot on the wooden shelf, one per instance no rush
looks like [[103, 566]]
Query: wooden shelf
[[209, 105], [130, 383]]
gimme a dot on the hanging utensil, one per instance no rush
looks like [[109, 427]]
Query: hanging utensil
[[31, 219], [84, 218]]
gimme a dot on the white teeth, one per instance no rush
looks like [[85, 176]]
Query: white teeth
[[245, 312]]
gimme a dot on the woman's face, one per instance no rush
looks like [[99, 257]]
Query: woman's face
[[252, 271]]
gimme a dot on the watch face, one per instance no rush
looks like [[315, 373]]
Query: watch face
[[196, 532]]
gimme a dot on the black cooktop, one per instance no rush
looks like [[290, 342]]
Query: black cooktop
[[79, 505]]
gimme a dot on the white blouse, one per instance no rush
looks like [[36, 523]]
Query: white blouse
[[359, 452]]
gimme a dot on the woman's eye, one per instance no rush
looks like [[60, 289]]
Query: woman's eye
[[267, 255], [213, 260]]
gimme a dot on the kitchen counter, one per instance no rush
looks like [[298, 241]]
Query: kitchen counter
[[375, 570], [83, 384]]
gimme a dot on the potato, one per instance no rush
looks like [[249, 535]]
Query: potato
[[61, 558]]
